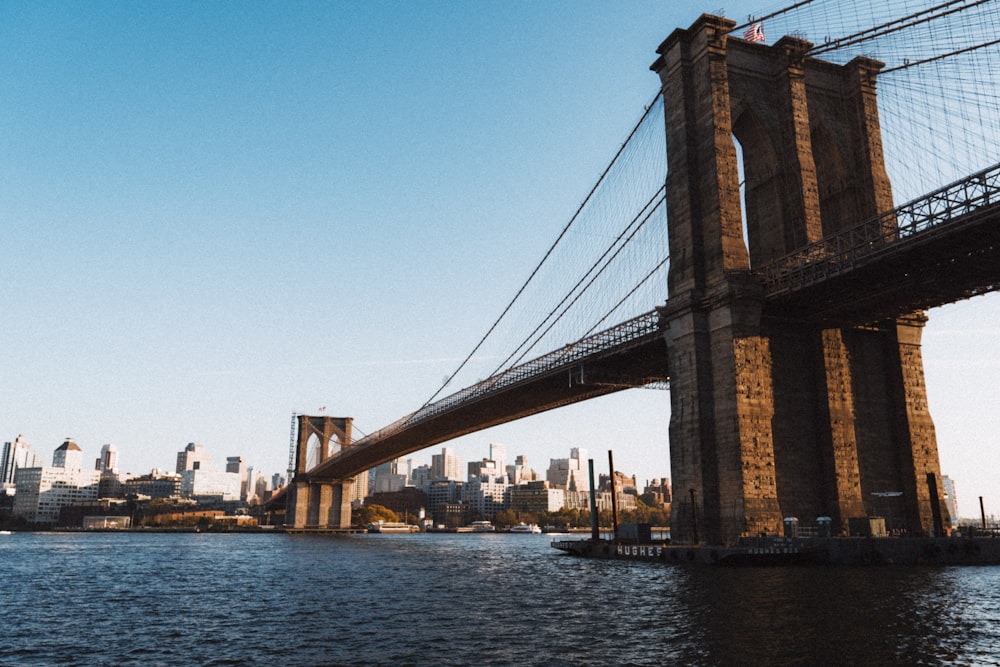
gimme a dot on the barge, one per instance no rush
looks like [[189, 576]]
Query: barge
[[762, 551]]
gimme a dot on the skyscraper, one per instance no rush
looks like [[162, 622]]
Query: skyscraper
[[236, 464], [68, 455], [17, 454], [446, 465], [498, 454], [194, 457], [108, 460]]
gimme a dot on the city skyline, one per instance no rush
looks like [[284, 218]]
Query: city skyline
[[205, 453], [216, 216]]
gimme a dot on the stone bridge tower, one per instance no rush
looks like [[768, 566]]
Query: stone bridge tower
[[319, 505], [773, 416]]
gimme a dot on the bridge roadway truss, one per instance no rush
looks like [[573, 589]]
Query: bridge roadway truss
[[937, 249], [631, 354]]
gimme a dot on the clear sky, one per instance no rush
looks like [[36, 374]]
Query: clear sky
[[215, 214]]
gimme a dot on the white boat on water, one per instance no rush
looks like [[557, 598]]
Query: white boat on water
[[526, 528], [5, 532], [477, 527], [391, 527]]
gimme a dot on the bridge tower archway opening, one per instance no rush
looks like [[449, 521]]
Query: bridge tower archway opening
[[313, 446], [761, 203]]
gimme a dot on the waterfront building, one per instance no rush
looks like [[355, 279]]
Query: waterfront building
[[43, 491], [17, 454], [656, 493], [154, 485], [452, 515], [626, 501], [486, 495], [206, 482], [950, 499], [580, 500], [538, 496], [75, 515], [571, 474], [408, 501], [107, 522], [111, 485], [623, 483], [442, 492]]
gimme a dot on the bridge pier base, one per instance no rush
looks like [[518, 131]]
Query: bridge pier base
[[319, 506]]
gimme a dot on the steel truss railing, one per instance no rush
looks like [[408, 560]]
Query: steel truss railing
[[621, 337], [842, 252]]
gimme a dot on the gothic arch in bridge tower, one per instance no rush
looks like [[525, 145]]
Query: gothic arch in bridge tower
[[762, 184], [837, 193], [773, 416], [313, 446]]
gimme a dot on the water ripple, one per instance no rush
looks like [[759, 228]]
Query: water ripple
[[182, 599]]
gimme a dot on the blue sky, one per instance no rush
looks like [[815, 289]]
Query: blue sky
[[215, 214]]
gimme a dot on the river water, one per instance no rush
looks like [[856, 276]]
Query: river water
[[446, 599]]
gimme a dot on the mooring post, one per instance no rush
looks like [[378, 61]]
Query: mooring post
[[694, 519], [595, 532], [614, 495]]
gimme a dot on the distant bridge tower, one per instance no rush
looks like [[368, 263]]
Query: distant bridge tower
[[773, 416], [319, 505]]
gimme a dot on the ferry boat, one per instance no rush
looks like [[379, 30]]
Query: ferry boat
[[526, 528], [391, 527], [477, 527]]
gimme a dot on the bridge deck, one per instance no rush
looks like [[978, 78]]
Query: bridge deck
[[936, 250], [635, 359]]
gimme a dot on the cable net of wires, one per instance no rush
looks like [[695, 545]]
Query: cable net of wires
[[608, 264], [938, 103]]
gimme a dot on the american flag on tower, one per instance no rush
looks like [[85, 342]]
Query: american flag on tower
[[754, 33]]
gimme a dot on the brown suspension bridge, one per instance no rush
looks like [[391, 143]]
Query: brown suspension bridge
[[790, 338]]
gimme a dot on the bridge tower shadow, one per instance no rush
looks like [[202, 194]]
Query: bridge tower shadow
[[319, 505], [772, 414]]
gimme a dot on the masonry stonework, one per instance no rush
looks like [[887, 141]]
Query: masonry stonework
[[319, 505], [773, 416]]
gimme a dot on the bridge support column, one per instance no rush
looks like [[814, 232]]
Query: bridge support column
[[316, 504], [297, 509], [773, 416], [334, 506]]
